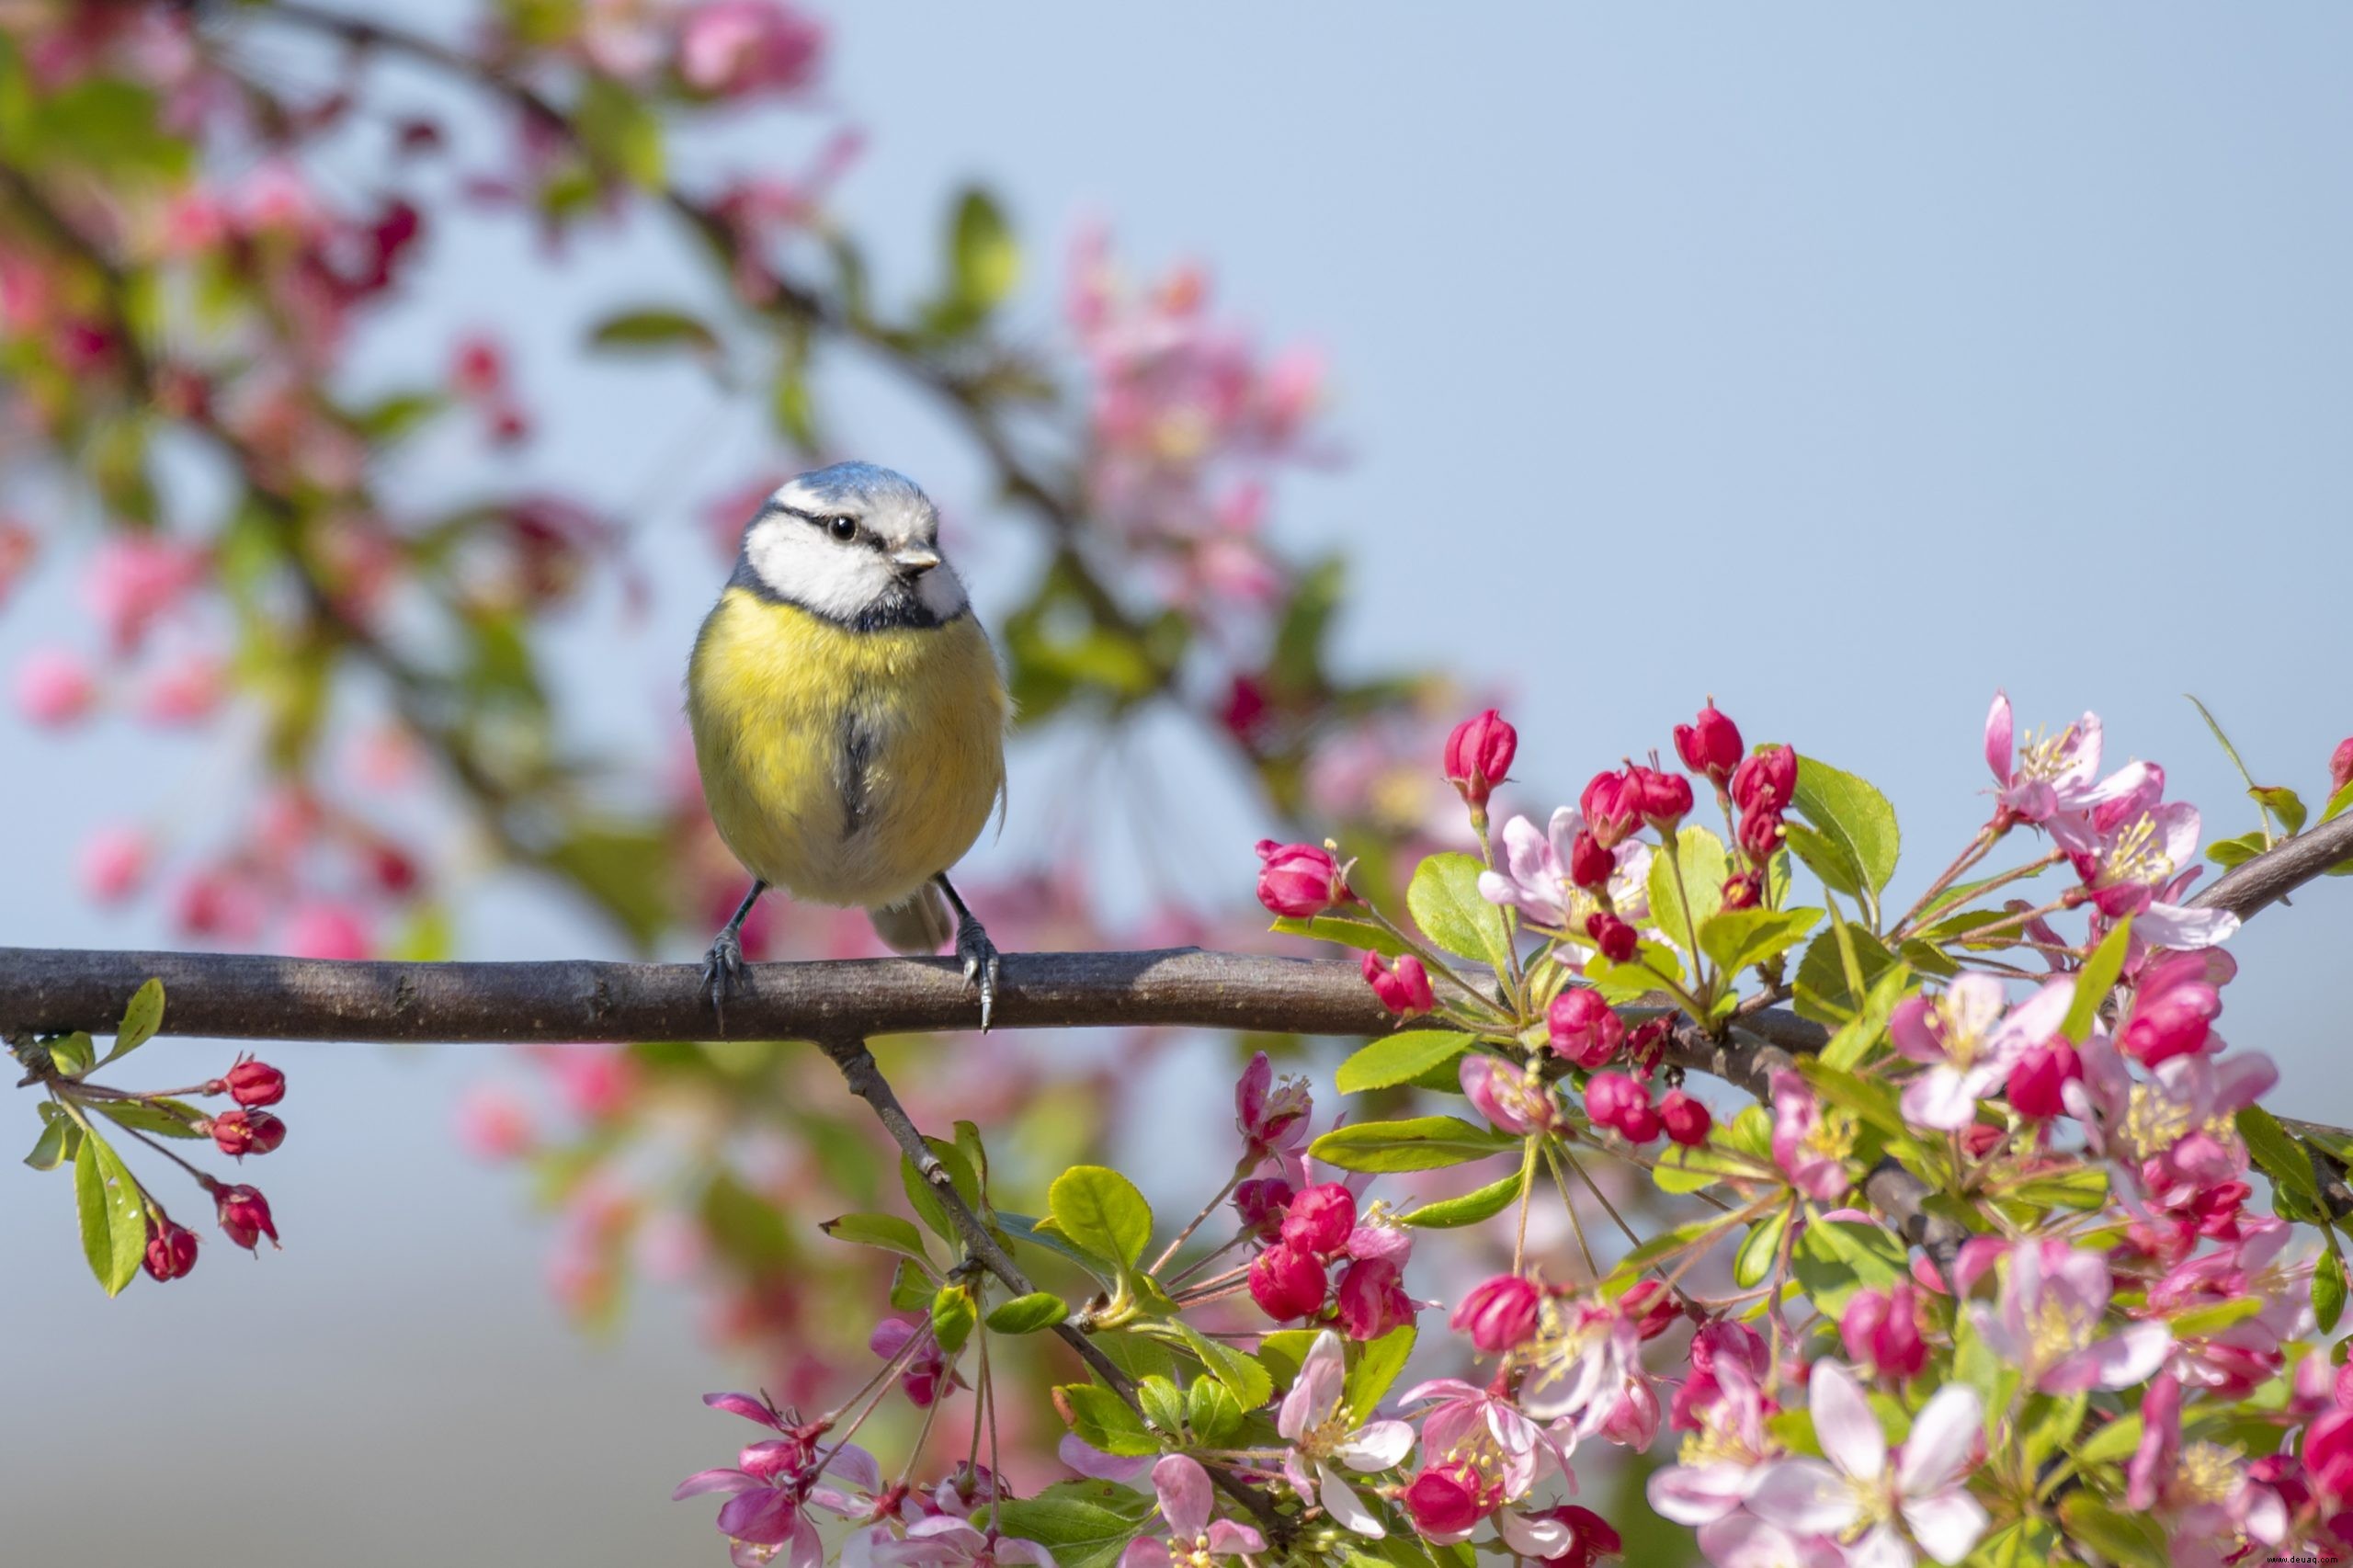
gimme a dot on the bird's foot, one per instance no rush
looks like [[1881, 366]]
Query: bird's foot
[[980, 962], [723, 971]]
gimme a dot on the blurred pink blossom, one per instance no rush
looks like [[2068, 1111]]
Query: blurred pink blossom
[[734, 48], [324, 930], [135, 579], [114, 862], [54, 688]]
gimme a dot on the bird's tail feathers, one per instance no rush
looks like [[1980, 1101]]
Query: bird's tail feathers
[[921, 924]]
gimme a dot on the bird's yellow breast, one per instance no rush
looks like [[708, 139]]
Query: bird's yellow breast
[[847, 768]]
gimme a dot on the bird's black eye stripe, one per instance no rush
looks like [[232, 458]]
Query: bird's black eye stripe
[[841, 526]]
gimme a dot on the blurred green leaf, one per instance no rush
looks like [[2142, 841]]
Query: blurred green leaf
[[621, 132], [655, 328], [1834, 1258], [625, 869], [744, 1227], [1760, 1249]]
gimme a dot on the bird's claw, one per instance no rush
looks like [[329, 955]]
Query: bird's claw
[[723, 971], [980, 963]]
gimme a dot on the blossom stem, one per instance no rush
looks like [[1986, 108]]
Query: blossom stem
[[1978, 849], [2016, 873], [1577, 1224], [2024, 918], [1207, 1258], [1527, 1194], [1195, 1222]]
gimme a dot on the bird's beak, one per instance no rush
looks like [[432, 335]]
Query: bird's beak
[[913, 562]]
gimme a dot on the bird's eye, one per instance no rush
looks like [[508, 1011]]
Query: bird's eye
[[843, 529]]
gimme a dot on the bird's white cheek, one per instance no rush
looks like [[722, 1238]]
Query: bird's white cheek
[[810, 570]]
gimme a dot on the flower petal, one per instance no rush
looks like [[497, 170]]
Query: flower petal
[[1939, 1099], [1376, 1445], [1184, 1489], [1228, 1539], [1881, 1547], [1146, 1551], [1844, 1422], [1803, 1495], [1946, 1524], [1315, 1393], [1943, 1436], [1997, 737], [1344, 1506], [2132, 1355], [704, 1481], [1695, 1494], [744, 1404]]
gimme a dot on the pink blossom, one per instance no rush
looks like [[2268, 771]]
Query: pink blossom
[[187, 690], [135, 579], [2170, 1135], [1371, 1300], [2202, 1490], [1810, 1146], [1498, 1314], [1536, 878], [1404, 990], [1576, 1365], [1859, 1499], [54, 688], [734, 48], [1480, 1452], [928, 1372], [946, 1541], [1517, 1100], [2049, 1321], [2053, 777], [2127, 865], [493, 1123], [2176, 999], [1968, 1043], [1326, 1439], [1271, 1117], [1182, 1488], [326, 931], [114, 862]]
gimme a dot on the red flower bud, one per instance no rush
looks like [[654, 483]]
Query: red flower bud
[[1447, 1499], [1584, 1027], [2176, 1023], [1665, 797], [1300, 880], [1612, 805], [1261, 1204], [1709, 745], [394, 871], [245, 1215], [1744, 892], [1287, 1283], [1590, 865], [1611, 1097], [1499, 1315], [1651, 1306], [2340, 764], [1760, 835], [1478, 755], [1590, 1537], [1766, 781], [2039, 1076], [1881, 1329], [1615, 939], [243, 1133], [1686, 1119], [252, 1083], [1641, 1124], [171, 1250], [1373, 1299], [1405, 990], [1320, 1219]]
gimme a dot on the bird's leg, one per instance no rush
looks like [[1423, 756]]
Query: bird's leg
[[973, 945], [723, 965]]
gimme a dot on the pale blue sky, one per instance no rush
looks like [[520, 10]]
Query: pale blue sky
[[1846, 362]]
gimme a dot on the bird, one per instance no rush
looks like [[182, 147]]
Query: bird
[[849, 717]]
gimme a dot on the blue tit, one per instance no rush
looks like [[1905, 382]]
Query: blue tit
[[849, 717]]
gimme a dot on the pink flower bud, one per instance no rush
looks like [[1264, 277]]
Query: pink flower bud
[[1448, 1499], [1615, 939], [1373, 1299], [251, 1083], [1612, 805], [1760, 835], [244, 1214], [1591, 1537], [1650, 1307], [1478, 755], [2040, 1075], [53, 688], [1610, 1097], [1320, 1219], [114, 862], [326, 931], [2176, 1023], [1665, 797], [243, 1133], [1686, 1119], [1299, 880], [1584, 1027], [1498, 1314], [171, 1250], [1287, 1283], [1641, 1124], [2340, 764], [1405, 990], [1709, 745], [1881, 1329], [1261, 1202], [1767, 779], [734, 48], [1590, 865]]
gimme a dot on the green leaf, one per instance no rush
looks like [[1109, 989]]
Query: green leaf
[[1163, 1403], [1445, 901], [1400, 1058], [1028, 1314], [888, 1232], [621, 130], [911, 1287], [2279, 1156], [1853, 815], [953, 1315], [1700, 857], [1760, 1250], [1855, 1037], [49, 1149], [1485, 1203], [1822, 989], [2281, 803], [1103, 1419], [1099, 1210], [1682, 1169], [1237, 1370], [1417, 1144], [1361, 934], [2230, 852], [2328, 1288], [73, 1054], [1740, 938], [654, 328], [2129, 1540], [1086, 1524], [2338, 802], [2097, 979], [2083, 1189], [1833, 1258], [925, 1198], [1376, 1368], [114, 1220], [2051, 1425], [1211, 1411], [163, 1117], [141, 1019], [986, 258]]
